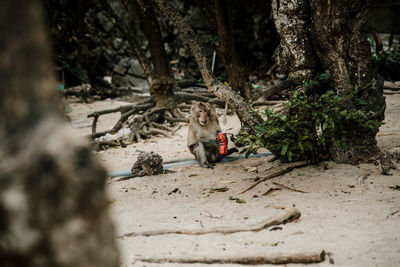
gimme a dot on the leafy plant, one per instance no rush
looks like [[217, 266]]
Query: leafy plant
[[310, 123]]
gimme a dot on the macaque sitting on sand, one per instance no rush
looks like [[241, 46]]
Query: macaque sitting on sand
[[202, 138]]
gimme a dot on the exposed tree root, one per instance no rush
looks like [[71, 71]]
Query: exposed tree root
[[287, 215], [281, 258], [144, 119]]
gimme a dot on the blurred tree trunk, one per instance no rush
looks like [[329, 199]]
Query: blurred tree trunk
[[53, 207], [242, 108], [326, 36]]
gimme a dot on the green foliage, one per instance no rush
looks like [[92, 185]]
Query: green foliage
[[310, 123]]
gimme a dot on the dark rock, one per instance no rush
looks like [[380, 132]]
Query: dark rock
[[147, 164], [135, 69]]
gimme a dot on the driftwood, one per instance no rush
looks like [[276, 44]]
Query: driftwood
[[281, 258], [287, 215], [273, 175]]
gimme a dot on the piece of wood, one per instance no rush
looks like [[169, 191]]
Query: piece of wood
[[269, 191], [283, 217], [273, 175], [289, 188], [277, 258]]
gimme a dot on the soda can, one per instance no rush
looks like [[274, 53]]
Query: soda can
[[223, 143]]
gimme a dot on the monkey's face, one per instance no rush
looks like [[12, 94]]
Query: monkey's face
[[202, 114]]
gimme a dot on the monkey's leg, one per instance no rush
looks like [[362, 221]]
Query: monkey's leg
[[200, 153]]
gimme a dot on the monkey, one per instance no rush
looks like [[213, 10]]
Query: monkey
[[202, 135]]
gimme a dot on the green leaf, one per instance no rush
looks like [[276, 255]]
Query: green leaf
[[300, 145], [289, 155], [240, 201], [336, 143], [284, 149], [321, 76], [324, 125]]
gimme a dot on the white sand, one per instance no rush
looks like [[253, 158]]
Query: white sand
[[346, 210]]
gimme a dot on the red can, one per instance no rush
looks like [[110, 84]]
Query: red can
[[223, 143]]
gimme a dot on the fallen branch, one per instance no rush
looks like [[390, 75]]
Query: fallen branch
[[287, 215], [289, 188], [273, 175], [299, 257], [392, 214], [269, 191]]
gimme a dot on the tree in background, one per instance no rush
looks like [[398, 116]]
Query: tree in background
[[338, 106], [218, 16]]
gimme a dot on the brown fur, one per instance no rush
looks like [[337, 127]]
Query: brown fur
[[202, 134]]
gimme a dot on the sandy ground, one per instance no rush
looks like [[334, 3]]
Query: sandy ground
[[349, 211]]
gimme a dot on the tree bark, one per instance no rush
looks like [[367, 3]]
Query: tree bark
[[326, 36], [295, 54], [345, 54], [53, 206], [243, 110]]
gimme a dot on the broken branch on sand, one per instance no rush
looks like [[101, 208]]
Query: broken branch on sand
[[281, 258], [287, 215], [289, 188], [273, 175]]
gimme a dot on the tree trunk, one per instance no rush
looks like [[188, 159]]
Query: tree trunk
[[243, 110], [295, 54], [162, 84], [227, 50], [53, 206], [218, 17], [326, 35], [345, 53]]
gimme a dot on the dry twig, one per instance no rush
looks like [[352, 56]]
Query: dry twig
[[289, 188], [269, 191], [287, 215]]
